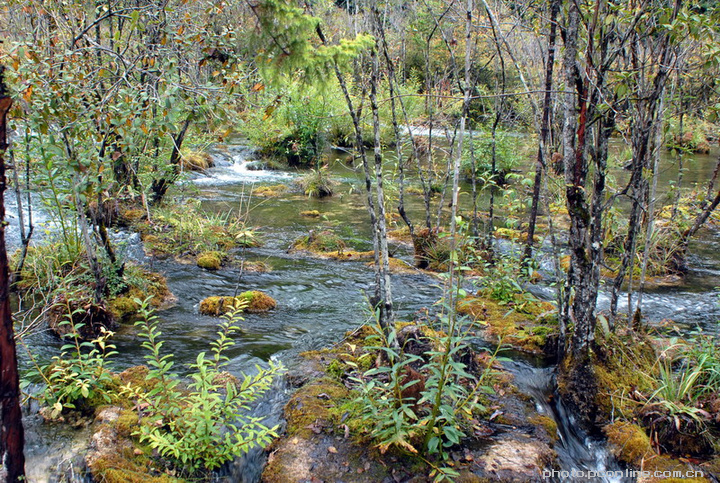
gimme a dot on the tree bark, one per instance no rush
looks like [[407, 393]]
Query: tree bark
[[12, 459]]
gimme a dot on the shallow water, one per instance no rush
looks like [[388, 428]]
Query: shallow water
[[319, 301]]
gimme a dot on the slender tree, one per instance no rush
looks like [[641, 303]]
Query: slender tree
[[12, 459]]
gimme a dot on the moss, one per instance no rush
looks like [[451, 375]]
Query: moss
[[312, 405], [547, 423], [514, 235], [126, 423], [254, 301], [623, 365], [628, 442], [196, 161], [123, 307], [528, 326], [126, 467], [321, 242], [144, 283], [310, 213], [131, 216], [270, 191], [210, 260], [335, 369]]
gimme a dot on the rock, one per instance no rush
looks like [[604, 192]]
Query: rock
[[513, 458], [108, 414]]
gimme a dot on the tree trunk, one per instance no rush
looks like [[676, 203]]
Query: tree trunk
[[544, 130], [160, 186], [12, 459]]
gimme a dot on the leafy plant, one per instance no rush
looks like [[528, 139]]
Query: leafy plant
[[78, 375], [207, 424], [422, 404]]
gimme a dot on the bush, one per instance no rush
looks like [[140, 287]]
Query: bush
[[77, 379], [201, 428]]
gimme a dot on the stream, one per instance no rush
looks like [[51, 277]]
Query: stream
[[318, 302]]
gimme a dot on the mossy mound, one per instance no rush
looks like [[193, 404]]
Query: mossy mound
[[196, 161], [623, 365], [310, 214], [530, 326], [210, 260], [312, 406], [144, 283], [628, 442], [632, 446], [270, 191], [514, 235], [184, 231], [324, 241], [252, 302], [130, 215]]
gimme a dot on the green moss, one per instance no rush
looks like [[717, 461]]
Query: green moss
[[527, 326], [628, 442], [253, 301], [623, 365], [312, 404], [123, 307], [547, 423], [270, 191], [196, 161], [210, 260], [335, 369], [126, 467], [127, 423], [323, 242]]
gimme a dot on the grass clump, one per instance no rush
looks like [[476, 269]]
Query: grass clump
[[320, 242], [184, 231]]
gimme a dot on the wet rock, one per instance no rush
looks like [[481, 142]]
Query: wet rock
[[514, 457]]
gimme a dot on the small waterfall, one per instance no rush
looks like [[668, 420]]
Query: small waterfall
[[579, 455]]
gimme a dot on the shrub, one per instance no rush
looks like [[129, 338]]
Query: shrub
[[77, 379], [201, 428]]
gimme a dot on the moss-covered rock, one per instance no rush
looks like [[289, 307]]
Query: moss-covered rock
[[252, 301], [530, 326], [324, 241], [270, 191], [631, 445], [310, 214], [210, 260], [196, 161]]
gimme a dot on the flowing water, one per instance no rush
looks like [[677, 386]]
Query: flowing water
[[318, 302]]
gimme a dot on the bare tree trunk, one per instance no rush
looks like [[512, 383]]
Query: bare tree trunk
[[544, 130], [12, 459], [386, 314], [160, 186]]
